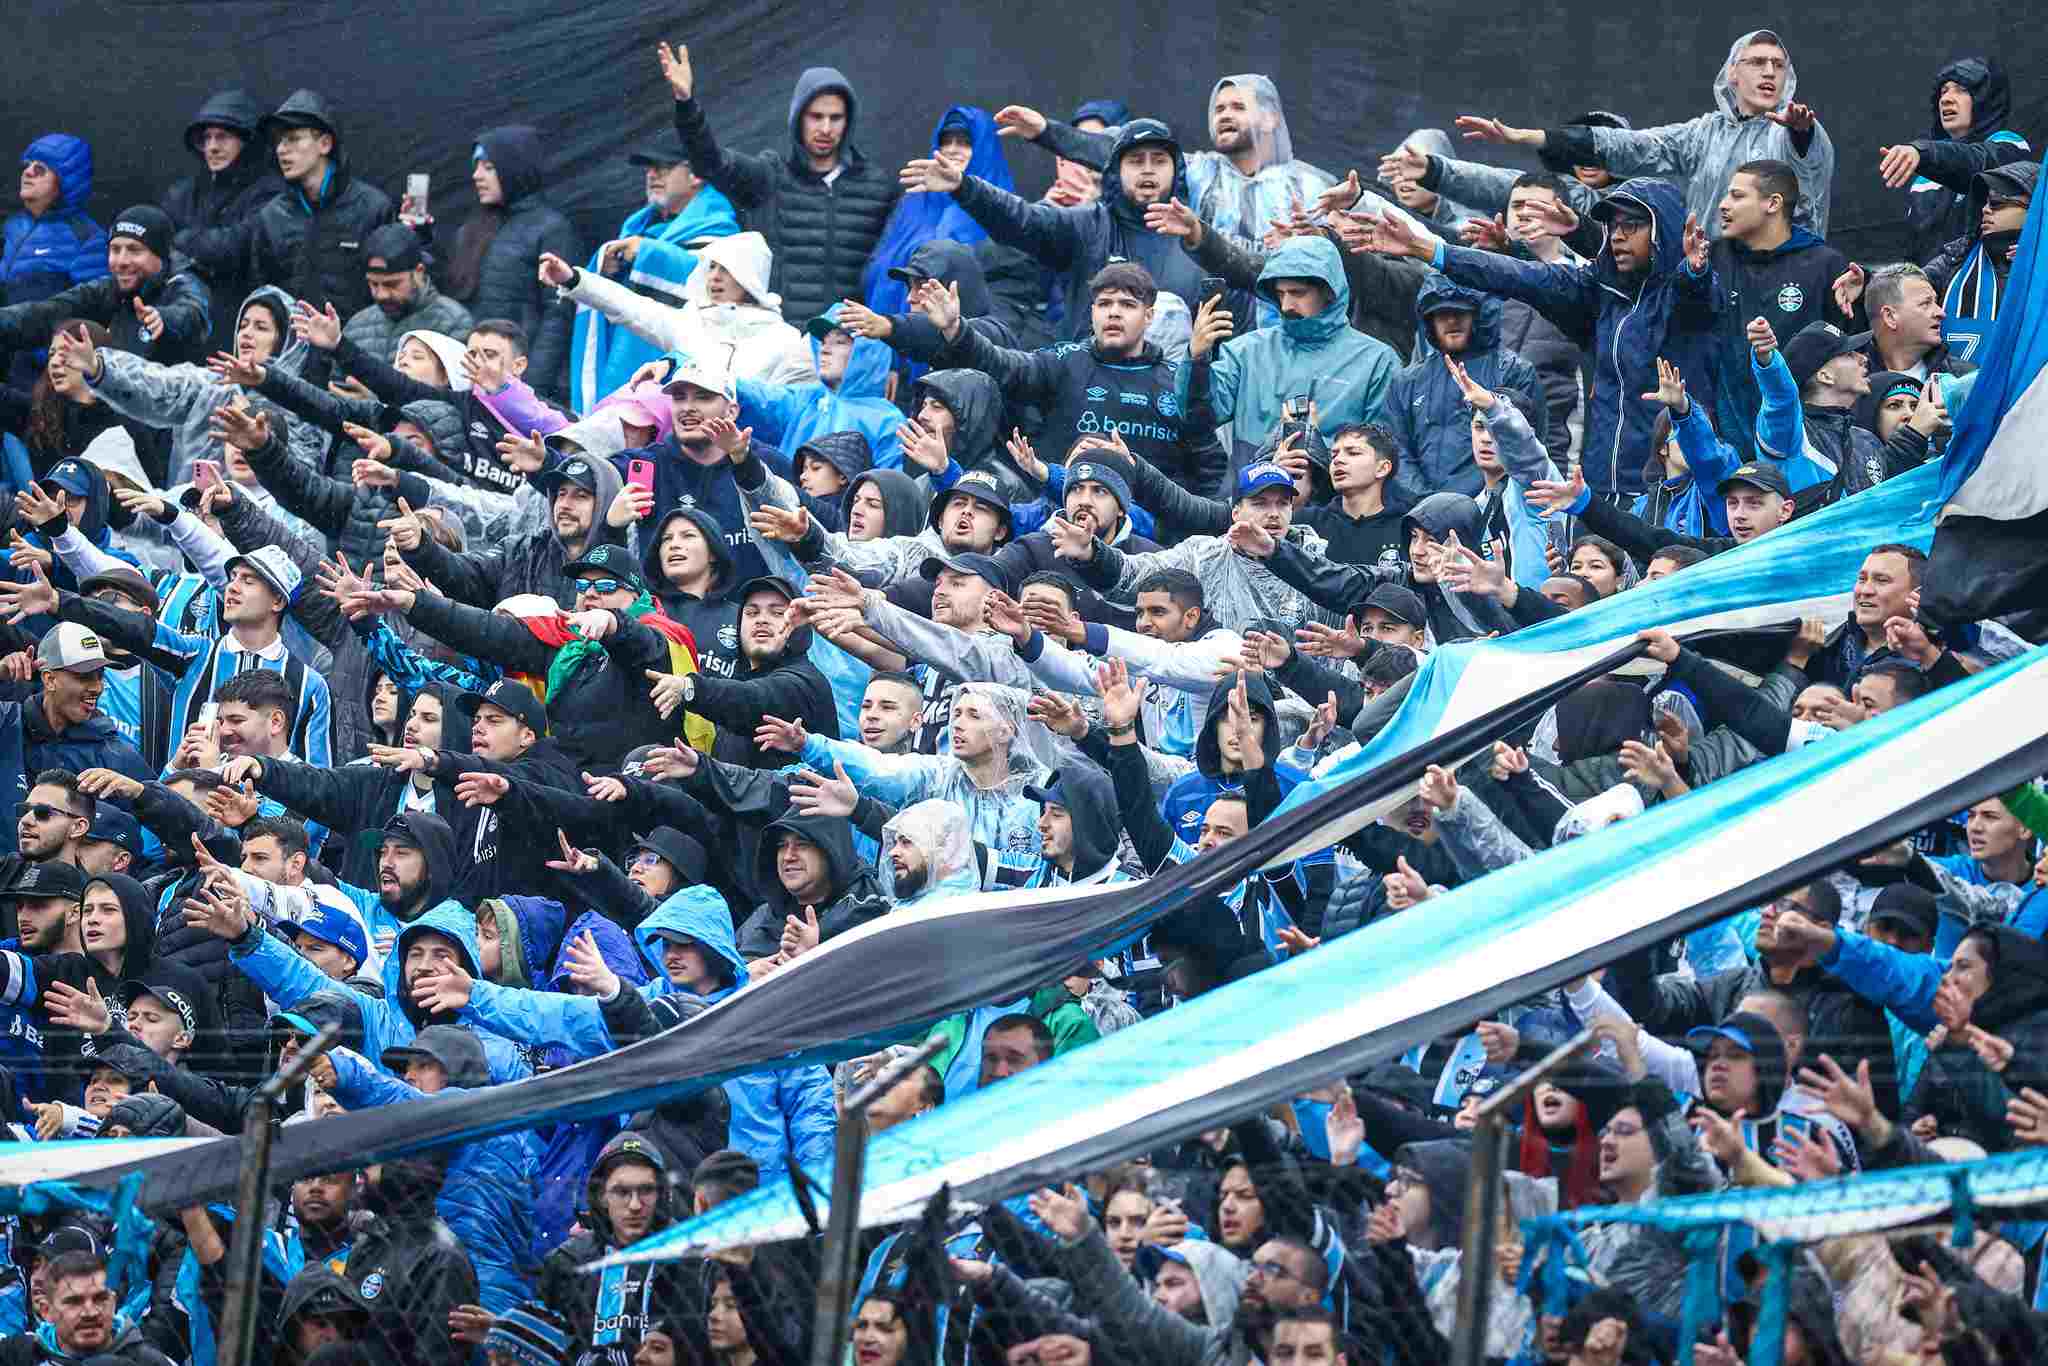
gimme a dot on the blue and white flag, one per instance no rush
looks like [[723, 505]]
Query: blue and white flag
[[1988, 554]]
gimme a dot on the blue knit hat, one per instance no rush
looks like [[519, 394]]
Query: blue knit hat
[[529, 1333]]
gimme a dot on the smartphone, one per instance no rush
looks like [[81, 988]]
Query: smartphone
[[208, 713], [205, 473], [640, 474], [416, 191], [1213, 287]]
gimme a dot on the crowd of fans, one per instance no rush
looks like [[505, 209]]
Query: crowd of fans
[[502, 652]]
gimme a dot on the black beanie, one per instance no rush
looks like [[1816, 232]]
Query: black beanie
[[147, 224]]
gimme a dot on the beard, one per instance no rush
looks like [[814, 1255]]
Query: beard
[[910, 884]]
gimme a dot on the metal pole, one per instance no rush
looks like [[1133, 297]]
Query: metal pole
[[245, 1250], [1482, 1204], [837, 1273]]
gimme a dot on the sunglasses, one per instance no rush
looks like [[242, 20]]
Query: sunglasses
[[42, 811], [600, 585]]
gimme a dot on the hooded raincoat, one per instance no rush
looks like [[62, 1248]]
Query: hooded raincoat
[[41, 256], [1937, 211], [313, 247], [787, 415], [925, 217], [1425, 409], [525, 225]]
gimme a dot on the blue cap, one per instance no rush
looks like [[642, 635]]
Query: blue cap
[[115, 826], [1254, 479], [1701, 1037], [332, 925], [71, 476]]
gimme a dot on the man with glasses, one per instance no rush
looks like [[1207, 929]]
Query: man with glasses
[[1754, 118], [310, 239], [59, 730], [54, 820], [629, 1198]]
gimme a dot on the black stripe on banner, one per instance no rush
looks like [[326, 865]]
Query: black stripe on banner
[[921, 970], [1288, 1079]]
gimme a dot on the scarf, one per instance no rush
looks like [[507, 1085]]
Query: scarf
[[573, 650]]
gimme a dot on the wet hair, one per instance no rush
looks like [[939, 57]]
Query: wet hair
[[1184, 588], [66, 779], [513, 334], [1887, 287], [69, 1265], [1824, 903], [1774, 178], [1128, 276], [257, 688], [932, 1086], [1538, 180], [1589, 589], [1125, 1176], [44, 431], [1031, 1024], [1387, 667], [1915, 558], [1907, 682], [1684, 556], [1377, 437], [205, 779], [1320, 1275], [290, 834], [907, 680], [1054, 578]]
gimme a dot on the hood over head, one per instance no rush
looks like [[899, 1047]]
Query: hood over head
[[1090, 798], [448, 351], [1259, 693], [448, 919], [434, 836], [301, 109], [1127, 137], [1990, 97], [746, 257], [138, 916], [977, 407], [1883, 384], [292, 349], [319, 1289], [71, 158], [1439, 292], [1442, 513], [1724, 86], [1595, 718], [816, 81], [614, 945], [1664, 204], [1309, 258], [939, 830], [867, 369], [459, 1051], [236, 111], [1269, 119], [515, 153], [700, 915], [832, 834], [953, 263], [847, 451], [906, 510], [1220, 1274], [1443, 1165], [97, 493], [2019, 980], [148, 1115], [529, 935], [442, 422], [633, 1145], [722, 561]]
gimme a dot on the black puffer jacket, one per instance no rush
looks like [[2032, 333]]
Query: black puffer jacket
[[1937, 207], [529, 564], [215, 213], [854, 899], [315, 251], [506, 285], [821, 233]]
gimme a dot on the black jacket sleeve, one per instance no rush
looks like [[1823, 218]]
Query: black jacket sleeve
[[386, 382], [486, 635], [470, 576], [1743, 710], [1176, 506], [1335, 587], [1953, 164], [628, 1018], [353, 797], [1638, 537], [738, 704], [321, 406], [746, 181], [1023, 376], [1150, 835]]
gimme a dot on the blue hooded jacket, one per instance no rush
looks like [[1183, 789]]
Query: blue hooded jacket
[[603, 355], [43, 256], [1630, 321], [572, 1149], [789, 415], [1425, 409], [530, 946], [1344, 370], [920, 217]]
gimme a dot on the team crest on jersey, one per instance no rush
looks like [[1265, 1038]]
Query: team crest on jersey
[[1169, 404], [1791, 299], [373, 1284], [729, 636]]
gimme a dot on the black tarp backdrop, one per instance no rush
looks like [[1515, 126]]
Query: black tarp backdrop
[[414, 83]]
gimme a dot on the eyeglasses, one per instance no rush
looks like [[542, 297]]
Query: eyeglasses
[[42, 811], [1273, 1271], [646, 858], [2006, 201], [633, 1195], [1403, 1179], [598, 585], [1764, 63]]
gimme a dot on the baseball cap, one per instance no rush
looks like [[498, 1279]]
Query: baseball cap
[[508, 696], [1623, 208], [332, 925], [392, 248], [1051, 790], [56, 878], [770, 583], [629, 1145], [614, 561], [270, 564], [460, 1053], [128, 580], [667, 150], [987, 567], [177, 986], [1400, 603], [577, 470], [1255, 479], [1814, 345], [72, 477], [1734, 1030], [680, 851], [1906, 906], [69, 1238], [1758, 474], [1090, 468], [693, 370], [979, 485], [72, 648], [112, 825]]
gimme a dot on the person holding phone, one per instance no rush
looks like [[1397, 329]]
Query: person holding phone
[[309, 239]]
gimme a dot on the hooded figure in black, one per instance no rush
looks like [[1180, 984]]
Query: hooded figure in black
[[313, 249], [820, 230], [950, 263], [214, 212], [782, 683], [1966, 1097], [1969, 273], [362, 798], [1460, 616], [65, 1063], [977, 408], [1081, 241], [532, 563], [1936, 212], [492, 266], [1090, 800], [849, 453], [408, 1265], [852, 894], [643, 1290], [713, 619]]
